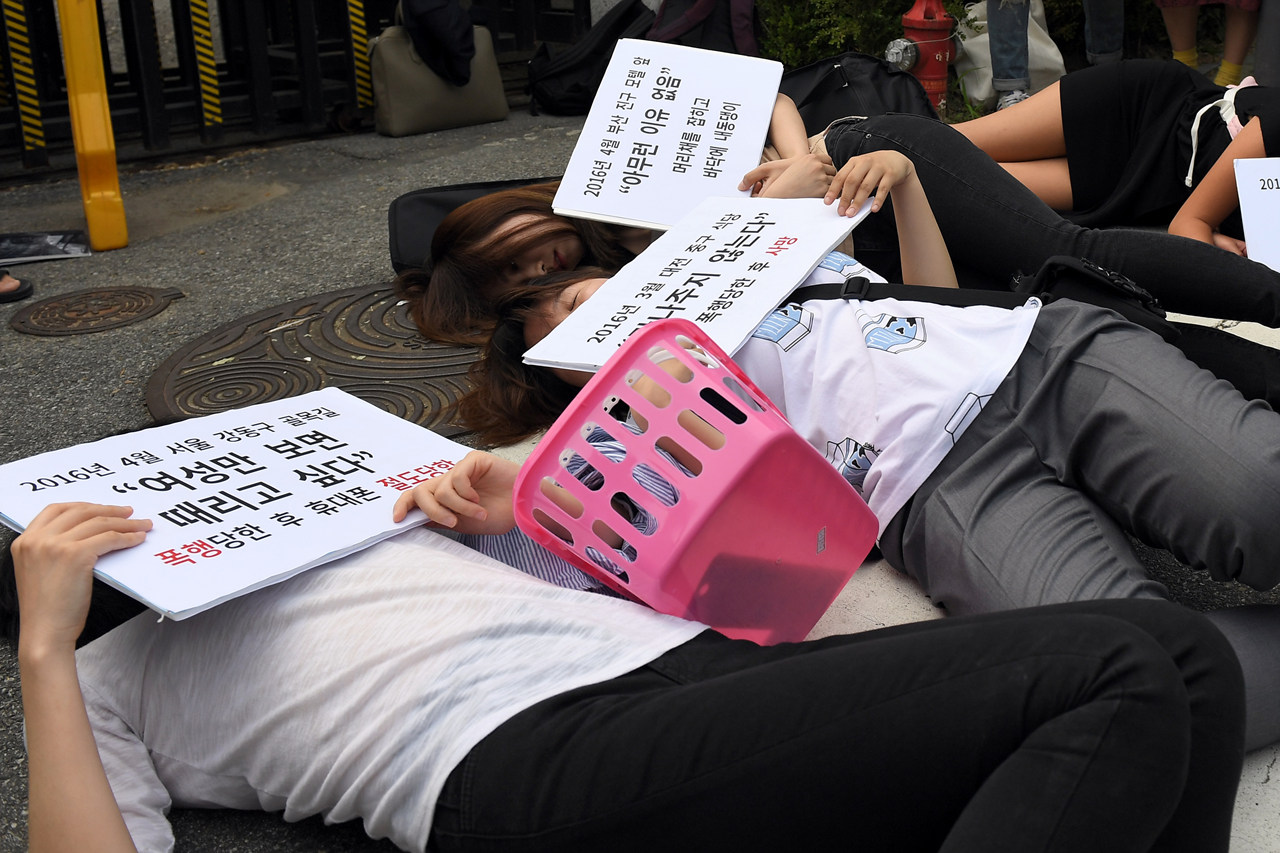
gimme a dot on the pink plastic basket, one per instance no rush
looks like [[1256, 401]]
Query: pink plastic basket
[[754, 534]]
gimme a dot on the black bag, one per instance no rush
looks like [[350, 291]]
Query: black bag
[[1059, 277], [1065, 277], [853, 84], [725, 25], [565, 84], [412, 218]]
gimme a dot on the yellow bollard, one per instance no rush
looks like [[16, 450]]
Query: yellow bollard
[[91, 125]]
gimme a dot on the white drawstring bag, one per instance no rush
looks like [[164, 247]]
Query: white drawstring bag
[[973, 65]]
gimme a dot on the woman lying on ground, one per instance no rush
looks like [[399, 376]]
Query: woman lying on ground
[[1137, 142], [511, 236], [450, 702], [1005, 452], [994, 227]]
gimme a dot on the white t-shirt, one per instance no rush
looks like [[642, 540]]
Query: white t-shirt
[[352, 690], [884, 388]]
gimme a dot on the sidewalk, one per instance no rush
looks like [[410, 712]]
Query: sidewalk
[[259, 228]]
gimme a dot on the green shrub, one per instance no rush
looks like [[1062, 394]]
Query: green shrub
[[797, 32]]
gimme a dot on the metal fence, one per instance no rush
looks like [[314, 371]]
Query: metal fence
[[184, 75]]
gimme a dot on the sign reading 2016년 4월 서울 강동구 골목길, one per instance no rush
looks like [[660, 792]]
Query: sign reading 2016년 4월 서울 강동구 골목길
[[240, 499]]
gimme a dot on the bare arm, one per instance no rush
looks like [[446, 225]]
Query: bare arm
[[70, 804], [925, 259], [786, 129], [1215, 197]]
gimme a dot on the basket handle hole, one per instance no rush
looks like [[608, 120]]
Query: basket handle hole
[[634, 514], [646, 387], [620, 411], [614, 540], [743, 394], [667, 360], [655, 484], [723, 406], [700, 429], [689, 464], [561, 497], [598, 436], [697, 353], [553, 527], [605, 563]]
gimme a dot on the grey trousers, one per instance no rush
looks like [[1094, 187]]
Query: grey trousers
[[1099, 428]]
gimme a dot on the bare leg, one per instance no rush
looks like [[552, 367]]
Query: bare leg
[[1241, 28], [1180, 22], [1049, 179], [1028, 141], [8, 283], [1031, 130]]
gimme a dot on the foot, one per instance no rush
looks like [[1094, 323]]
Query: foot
[[1013, 96], [13, 289]]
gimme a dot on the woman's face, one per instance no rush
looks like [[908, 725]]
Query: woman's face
[[563, 251], [553, 312]]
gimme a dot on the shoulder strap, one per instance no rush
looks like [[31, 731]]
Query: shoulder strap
[[858, 287]]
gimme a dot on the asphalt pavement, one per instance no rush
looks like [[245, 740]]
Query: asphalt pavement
[[236, 233]]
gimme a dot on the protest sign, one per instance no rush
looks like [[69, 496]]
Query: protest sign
[[240, 499], [725, 266], [669, 125], [1258, 185]]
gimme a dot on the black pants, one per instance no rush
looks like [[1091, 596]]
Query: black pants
[[1101, 726]]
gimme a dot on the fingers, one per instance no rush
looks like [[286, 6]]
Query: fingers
[[403, 505], [754, 177], [872, 175], [94, 529]]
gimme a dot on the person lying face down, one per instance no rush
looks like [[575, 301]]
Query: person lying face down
[[1006, 453], [447, 700]]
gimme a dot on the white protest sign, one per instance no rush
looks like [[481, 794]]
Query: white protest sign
[[241, 499], [725, 266], [669, 125], [1258, 183]]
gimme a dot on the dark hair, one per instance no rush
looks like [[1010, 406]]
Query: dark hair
[[108, 607], [511, 400], [451, 300]]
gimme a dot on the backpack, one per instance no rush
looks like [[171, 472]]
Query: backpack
[[724, 25], [566, 83], [853, 84]]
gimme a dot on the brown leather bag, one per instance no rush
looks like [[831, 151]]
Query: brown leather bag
[[410, 98]]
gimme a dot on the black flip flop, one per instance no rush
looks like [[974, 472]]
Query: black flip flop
[[24, 289]]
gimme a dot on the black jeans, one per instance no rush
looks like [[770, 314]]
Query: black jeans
[[995, 227], [1101, 726]]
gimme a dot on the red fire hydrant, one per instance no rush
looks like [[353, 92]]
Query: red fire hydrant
[[927, 48]]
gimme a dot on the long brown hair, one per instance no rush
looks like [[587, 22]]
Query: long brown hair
[[452, 299], [511, 400]]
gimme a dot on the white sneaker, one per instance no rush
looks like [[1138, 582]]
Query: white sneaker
[[1013, 96]]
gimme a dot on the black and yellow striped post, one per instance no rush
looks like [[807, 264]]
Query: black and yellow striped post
[[360, 53], [22, 71], [207, 68]]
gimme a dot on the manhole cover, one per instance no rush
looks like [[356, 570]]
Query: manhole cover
[[360, 340], [88, 311]]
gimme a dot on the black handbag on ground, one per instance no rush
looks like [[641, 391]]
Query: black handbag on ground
[[852, 84]]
